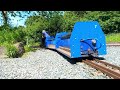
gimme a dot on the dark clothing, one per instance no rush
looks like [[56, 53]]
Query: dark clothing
[[43, 41]]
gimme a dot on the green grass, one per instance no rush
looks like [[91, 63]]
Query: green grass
[[113, 38], [12, 51]]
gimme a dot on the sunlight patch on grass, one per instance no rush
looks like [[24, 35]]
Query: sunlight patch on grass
[[114, 37]]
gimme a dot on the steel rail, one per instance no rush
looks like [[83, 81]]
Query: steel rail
[[106, 63], [64, 48], [103, 69], [113, 44]]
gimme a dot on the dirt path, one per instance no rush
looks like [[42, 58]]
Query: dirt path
[[2, 52]]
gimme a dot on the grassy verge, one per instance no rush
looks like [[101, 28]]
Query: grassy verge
[[113, 38]]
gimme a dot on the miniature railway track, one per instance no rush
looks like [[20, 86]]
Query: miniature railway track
[[110, 70], [113, 72], [113, 44], [113, 66]]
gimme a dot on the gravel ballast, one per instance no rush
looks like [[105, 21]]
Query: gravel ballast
[[48, 64], [113, 55]]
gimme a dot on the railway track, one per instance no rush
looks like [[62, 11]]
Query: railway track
[[110, 70], [113, 44], [106, 68]]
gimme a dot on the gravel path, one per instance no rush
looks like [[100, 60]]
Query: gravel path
[[113, 55], [48, 64]]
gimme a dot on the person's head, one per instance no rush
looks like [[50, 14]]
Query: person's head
[[43, 31]]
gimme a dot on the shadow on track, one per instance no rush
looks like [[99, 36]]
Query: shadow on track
[[75, 60]]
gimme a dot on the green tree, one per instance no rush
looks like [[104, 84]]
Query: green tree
[[69, 20], [6, 16], [109, 20], [55, 23], [34, 27]]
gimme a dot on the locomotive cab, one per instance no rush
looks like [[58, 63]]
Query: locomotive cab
[[87, 39]]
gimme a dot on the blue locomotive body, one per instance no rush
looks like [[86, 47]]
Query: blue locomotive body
[[86, 39]]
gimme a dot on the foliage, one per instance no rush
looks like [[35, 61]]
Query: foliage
[[55, 24], [109, 20], [11, 51], [7, 15], [34, 27], [29, 48], [69, 20], [113, 37], [11, 35]]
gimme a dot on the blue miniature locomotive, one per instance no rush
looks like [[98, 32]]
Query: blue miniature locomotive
[[86, 39]]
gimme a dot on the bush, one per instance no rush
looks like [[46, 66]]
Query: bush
[[12, 36], [28, 48], [11, 51]]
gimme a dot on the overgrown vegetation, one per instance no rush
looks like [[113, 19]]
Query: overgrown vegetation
[[11, 51], [53, 22], [113, 38], [11, 36]]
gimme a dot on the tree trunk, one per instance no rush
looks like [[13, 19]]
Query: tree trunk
[[5, 18]]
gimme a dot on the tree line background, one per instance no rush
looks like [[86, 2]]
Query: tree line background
[[53, 22]]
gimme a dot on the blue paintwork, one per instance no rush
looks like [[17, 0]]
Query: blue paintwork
[[65, 43], [85, 31], [49, 39], [58, 41]]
